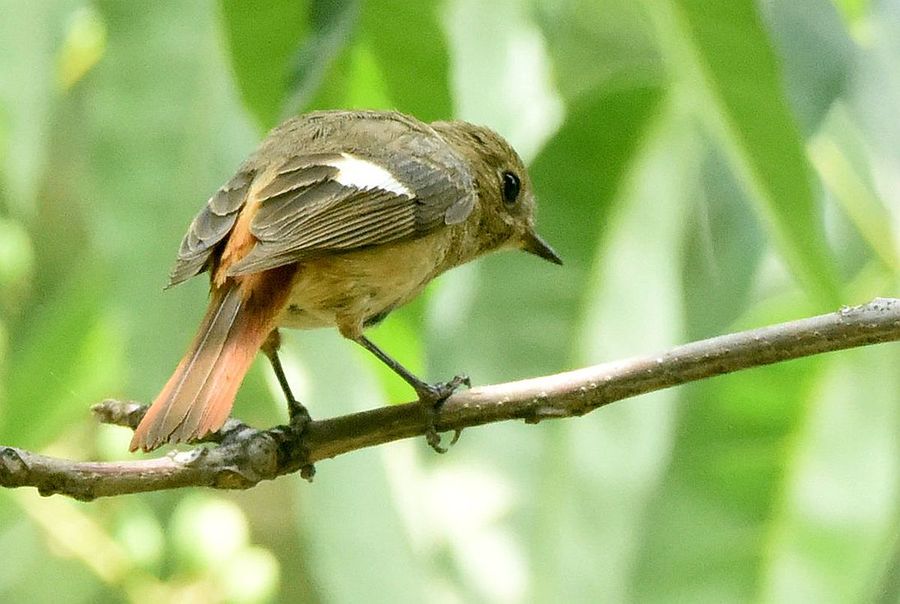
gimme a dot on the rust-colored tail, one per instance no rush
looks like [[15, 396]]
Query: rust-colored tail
[[198, 397]]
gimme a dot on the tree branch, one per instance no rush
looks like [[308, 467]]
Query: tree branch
[[245, 456]]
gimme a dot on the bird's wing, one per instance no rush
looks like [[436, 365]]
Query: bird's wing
[[403, 181], [210, 227], [335, 202]]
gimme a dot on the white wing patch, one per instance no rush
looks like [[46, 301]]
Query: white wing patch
[[365, 175]]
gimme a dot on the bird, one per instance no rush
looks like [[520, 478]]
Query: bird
[[335, 220]]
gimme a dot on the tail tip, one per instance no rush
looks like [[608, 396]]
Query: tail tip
[[144, 442], [139, 442], [145, 438]]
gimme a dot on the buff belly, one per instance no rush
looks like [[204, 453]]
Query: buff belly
[[348, 290]]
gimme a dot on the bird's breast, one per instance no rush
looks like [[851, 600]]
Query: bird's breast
[[350, 289]]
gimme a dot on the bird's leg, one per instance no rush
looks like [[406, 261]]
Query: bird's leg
[[297, 413], [431, 396]]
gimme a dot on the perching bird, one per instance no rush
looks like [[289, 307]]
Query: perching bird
[[338, 218]]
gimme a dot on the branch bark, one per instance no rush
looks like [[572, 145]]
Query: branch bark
[[245, 456]]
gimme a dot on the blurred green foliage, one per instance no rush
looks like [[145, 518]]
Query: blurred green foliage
[[702, 167]]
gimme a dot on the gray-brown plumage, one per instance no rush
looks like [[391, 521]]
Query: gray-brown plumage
[[338, 218]]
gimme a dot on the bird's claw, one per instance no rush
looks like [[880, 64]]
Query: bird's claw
[[298, 416], [431, 397], [435, 394]]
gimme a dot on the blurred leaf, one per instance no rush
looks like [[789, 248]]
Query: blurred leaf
[[873, 105], [837, 521], [29, 39], [263, 38], [4, 358], [816, 53], [723, 250], [512, 92], [599, 44], [705, 532], [580, 171], [83, 48], [632, 306], [65, 365], [33, 573], [140, 534], [332, 24], [841, 159], [408, 43], [16, 265], [853, 10], [888, 587], [355, 81], [251, 576], [726, 56], [207, 530]]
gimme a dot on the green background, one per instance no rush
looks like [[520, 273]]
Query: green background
[[703, 166]]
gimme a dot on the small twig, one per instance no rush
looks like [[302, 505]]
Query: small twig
[[246, 456]]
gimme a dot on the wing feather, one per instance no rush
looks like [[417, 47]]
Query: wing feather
[[304, 211], [209, 228], [332, 199]]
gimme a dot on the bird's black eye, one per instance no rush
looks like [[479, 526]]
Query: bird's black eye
[[511, 186]]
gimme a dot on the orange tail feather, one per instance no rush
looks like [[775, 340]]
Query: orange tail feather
[[198, 397]]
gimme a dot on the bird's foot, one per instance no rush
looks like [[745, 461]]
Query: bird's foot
[[298, 420], [298, 416], [431, 397]]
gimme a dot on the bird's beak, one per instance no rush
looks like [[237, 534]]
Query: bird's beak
[[533, 244]]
